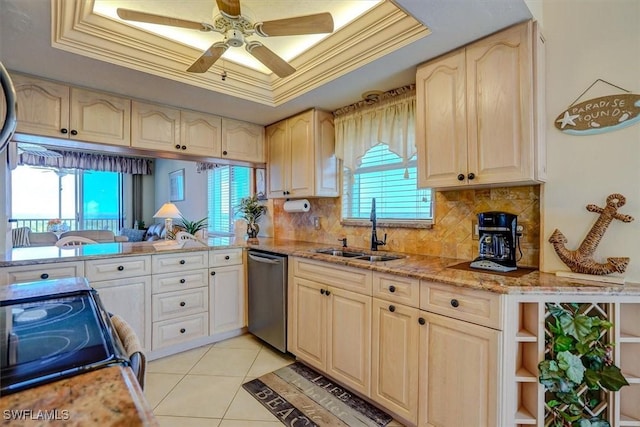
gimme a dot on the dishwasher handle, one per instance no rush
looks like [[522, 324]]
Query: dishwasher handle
[[264, 260]]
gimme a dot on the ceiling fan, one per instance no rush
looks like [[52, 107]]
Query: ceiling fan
[[236, 28]]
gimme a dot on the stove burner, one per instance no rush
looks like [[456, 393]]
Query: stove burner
[[31, 315]]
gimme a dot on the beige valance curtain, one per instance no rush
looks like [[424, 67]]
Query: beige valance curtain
[[90, 161], [390, 121]]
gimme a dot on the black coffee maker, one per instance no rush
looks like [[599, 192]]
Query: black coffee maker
[[497, 245]]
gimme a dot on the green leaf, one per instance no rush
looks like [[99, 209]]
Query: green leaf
[[572, 365], [578, 327], [592, 378], [612, 379], [584, 423], [595, 422], [563, 343], [553, 403]]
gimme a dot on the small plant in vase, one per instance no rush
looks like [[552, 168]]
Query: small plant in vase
[[192, 227], [251, 211]]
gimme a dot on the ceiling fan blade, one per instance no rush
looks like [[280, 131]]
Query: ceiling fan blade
[[230, 8], [270, 59], [134, 15], [208, 58], [308, 24]]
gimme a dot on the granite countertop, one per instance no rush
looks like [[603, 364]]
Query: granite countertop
[[422, 267], [104, 397]]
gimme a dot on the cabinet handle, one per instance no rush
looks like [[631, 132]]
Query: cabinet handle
[[177, 146], [182, 303], [63, 130], [120, 267], [421, 320], [182, 262], [392, 308], [74, 132], [460, 177], [455, 303], [224, 153], [183, 330], [44, 276], [328, 292], [471, 176], [392, 288], [227, 257], [213, 273], [322, 291], [182, 280], [184, 147]]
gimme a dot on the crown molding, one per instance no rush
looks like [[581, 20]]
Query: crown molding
[[381, 30]]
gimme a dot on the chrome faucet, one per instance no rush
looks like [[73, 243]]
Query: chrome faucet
[[374, 236]]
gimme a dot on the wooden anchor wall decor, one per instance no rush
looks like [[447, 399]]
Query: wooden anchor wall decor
[[581, 260]]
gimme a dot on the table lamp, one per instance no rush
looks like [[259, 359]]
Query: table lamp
[[168, 211]]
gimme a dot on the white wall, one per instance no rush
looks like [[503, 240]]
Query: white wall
[[194, 205], [589, 40]]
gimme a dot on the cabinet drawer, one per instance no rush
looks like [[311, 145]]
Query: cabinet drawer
[[225, 257], [168, 282], [185, 261], [118, 268], [176, 331], [398, 289], [352, 279], [480, 307], [34, 273], [180, 303]]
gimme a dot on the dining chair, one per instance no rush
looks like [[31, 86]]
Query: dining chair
[[73, 241]]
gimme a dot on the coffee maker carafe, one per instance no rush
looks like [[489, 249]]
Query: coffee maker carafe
[[497, 244]]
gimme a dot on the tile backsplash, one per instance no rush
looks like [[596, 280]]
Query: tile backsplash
[[451, 234]]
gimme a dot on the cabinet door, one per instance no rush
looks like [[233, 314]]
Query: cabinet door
[[131, 299], [349, 348], [499, 106], [441, 122], [458, 363], [326, 162], [278, 160], [34, 273], [201, 133], [242, 141], [43, 107], [394, 363], [155, 127], [302, 162], [310, 321], [226, 299], [99, 117]]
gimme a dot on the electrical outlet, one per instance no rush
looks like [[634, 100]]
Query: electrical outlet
[[316, 222], [475, 233], [520, 230]]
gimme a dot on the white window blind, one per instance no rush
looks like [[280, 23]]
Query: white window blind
[[383, 175], [226, 186]]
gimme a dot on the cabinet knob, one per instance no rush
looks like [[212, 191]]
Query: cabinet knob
[[182, 303], [182, 262], [471, 176], [392, 308], [183, 330], [421, 320], [44, 276], [460, 177], [213, 273], [182, 280], [227, 257], [328, 292], [120, 267], [392, 288], [224, 153], [455, 303], [63, 130], [177, 146], [74, 132], [322, 291]]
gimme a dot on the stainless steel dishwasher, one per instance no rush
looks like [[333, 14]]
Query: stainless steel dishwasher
[[268, 297]]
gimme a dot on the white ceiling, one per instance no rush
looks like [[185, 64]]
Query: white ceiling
[[26, 45]]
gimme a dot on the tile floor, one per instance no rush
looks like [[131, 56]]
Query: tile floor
[[203, 386]]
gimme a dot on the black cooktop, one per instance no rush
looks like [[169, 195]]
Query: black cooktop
[[52, 337]]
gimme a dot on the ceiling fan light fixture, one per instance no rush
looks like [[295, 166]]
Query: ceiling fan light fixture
[[234, 38]]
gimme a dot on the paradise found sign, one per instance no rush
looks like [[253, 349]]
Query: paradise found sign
[[600, 115]]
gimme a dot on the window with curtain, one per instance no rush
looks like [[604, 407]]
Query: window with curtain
[[385, 176], [226, 185]]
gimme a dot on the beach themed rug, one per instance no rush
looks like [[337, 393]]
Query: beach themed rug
[[299, 396]]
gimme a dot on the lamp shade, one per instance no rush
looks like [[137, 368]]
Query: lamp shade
[[168, 210]]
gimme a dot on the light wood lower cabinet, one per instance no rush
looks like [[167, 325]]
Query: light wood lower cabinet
[[34, 273], [320, 337], [394, 367], [458, 363], [227, 299]]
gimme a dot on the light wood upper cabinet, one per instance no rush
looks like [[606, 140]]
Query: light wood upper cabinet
[[301, 156], [242, 141], [200, 133], [477, 113], [155, 127], [56, 110]]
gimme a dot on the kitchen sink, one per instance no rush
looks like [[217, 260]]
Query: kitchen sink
[[374, 258], [341, 253]]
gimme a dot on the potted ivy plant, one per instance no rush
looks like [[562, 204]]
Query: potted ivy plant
[[251, 210], [578, 367]]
